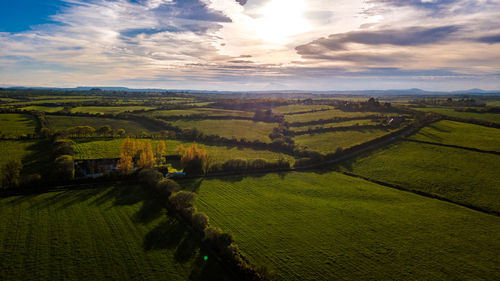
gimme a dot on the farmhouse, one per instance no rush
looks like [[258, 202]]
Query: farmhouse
[[92, 168]]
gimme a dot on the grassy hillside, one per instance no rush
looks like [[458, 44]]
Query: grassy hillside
[[461, 175], [336, 124], [461, 134], [328, 226], [110, 148], [115, 233], [230, 128], [13, 124], [328, 142], [131, 127], [488, 117]]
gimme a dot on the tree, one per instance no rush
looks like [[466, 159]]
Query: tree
[[64, 167], [160, 151], [104, 130], [200, 221], [182, 200], [121, 132], [194, 160], [146, 158], [166, 187], [11, 173]]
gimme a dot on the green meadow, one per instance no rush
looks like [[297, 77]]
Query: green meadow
[[461, 134], [13, 124], [202, 111], [460, 175], [34, 155], [328, 226], [130, 127], [106, 233], [42, 108], [488, 117], [328, 142], [239, 129], [109, 109], [336, 125], [293, 108], [324, 115]]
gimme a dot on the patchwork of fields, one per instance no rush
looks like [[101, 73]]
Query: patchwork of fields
[[328, 226], [488, 117], [324, 115], [113, 233], [109, 109], [202, 111]]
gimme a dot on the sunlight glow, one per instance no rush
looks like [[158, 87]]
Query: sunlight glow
[[280, 20]]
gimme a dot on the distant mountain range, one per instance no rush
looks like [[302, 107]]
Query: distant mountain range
[[413, 91]]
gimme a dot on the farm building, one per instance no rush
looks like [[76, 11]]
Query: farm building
[[95, 167]]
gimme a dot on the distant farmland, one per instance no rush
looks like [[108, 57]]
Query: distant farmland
[[328, 226], [17, 124]]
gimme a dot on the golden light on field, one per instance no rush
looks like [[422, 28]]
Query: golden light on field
[[280, 20]]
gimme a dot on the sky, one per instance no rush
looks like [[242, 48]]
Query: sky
[[251, 45]]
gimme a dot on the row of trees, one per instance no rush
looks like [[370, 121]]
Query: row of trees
[[139, 153]]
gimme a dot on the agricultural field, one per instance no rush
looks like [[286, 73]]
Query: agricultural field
[[130, 127], [325, 143], [349, 123], [324, 115], [110, 148], [106, 233], [488, 117], [54, 101], [293, 108], [33, 154], [461, 134], [108, 109], [460, 175], [13, 124], [42, 108], [239, 129], [201, 111], [328, 226], [493, 103]]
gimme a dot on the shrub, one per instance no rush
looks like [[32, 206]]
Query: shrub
[[64, 167], [182, 200], [11, 173], [150, 177], [200, 221], [166, 187]]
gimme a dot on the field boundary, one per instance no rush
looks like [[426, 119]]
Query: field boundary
[[425, 194], [456, 146]]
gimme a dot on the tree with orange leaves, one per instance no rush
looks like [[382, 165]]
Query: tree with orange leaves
[[193, 159], [126, 163], [146, 156]]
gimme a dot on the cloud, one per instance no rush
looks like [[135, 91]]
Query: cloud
[[411, 36], [242, 2], [491, 39]]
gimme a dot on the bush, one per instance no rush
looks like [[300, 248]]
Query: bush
[[200, 221], [11, 173], [150, 177], [64, 167], [182, 200], [166, 187]]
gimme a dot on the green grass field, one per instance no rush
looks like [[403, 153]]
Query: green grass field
[[108, 109], [493, 103], [131, 127], [13, 124], [488, 117], [43, 108], [336, 124], [324, 115], [460, 175], [328, 226], [299, 108], [202, 111], [461, 134], [328, 142], [33, 154], [110, 148], [115, 233], [230, 128]]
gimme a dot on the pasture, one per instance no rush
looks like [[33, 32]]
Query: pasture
[[488, 117], [202, 111], [106, 233], [33, 154], [324, 115], [328, 226], [239, 129], [42, 108], [130, 127], [325, 143], [294, 108], [460, 175], [349, 123], [13, 124], [108, 109], [461, 134], [110, 148]]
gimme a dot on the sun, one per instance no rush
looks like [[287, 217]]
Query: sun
[[280, 20]]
